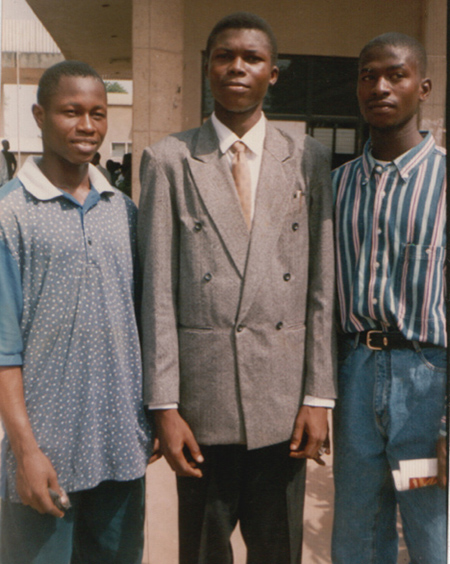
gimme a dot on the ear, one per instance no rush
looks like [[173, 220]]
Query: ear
[[38, 113], [274, 73], [425, 89]]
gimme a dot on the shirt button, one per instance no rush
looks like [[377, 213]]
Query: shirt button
[[295, 226], [207, 277], [377, 265], [374, 301], [379, 169], [364, 181], [89, 241], [198, 226], [379, 231], [279, 325], [240, 328], [287, 277], [383, 194]]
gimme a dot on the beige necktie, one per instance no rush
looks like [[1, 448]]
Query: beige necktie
[[240, 170]]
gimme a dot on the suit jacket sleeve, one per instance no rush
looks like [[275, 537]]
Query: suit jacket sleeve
[[320, 374], [158, 253]]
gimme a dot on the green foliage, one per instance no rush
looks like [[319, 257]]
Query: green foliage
[[114, 87]]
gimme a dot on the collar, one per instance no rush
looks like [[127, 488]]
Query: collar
[[406, 163], [39, 186], [253, 139]]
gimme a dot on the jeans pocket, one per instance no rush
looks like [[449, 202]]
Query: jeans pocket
[[435, 358], [346, 347]]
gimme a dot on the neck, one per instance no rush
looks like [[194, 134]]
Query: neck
[[239, 123], [387, 145], [73, 179]]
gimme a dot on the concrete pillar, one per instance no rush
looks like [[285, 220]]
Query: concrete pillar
[[158, 44], [434, 39]]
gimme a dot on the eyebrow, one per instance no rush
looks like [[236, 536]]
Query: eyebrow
[[368, 68]]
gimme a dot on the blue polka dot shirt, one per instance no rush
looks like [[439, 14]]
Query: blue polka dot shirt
[[68, 317]]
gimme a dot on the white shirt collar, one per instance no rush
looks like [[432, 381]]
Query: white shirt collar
[[253, 139], [37, 184]]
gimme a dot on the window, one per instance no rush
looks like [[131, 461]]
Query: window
[[118, 150]]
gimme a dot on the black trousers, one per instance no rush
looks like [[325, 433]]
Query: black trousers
[[263, 489]]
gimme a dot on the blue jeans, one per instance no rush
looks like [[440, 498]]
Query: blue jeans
[[105, 525], [389, 409]]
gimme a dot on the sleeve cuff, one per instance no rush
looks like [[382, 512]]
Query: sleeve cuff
[[173, 405], [312, 401]]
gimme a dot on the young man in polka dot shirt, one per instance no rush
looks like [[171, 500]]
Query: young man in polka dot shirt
[[70, 369]]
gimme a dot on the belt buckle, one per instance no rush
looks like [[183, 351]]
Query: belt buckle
[[369, 337]]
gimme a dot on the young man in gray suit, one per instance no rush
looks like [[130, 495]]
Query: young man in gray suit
[[235, 235]]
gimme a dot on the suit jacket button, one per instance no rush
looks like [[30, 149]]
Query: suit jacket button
[[279, 325], [198, 226], [207, 277], [240, 328], [287, 277], [295, 226]]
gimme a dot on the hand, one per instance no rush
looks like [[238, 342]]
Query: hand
[[175, 435], [441, 448], [35, 475], [310, 434], [156, 453]]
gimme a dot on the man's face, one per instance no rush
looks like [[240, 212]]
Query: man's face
[[74, 122], [390, 87], [240, 70]]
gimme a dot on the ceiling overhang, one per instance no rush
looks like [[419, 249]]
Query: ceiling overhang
[[97, 32]]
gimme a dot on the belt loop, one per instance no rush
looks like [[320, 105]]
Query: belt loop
[[416, 346], [356, 341]]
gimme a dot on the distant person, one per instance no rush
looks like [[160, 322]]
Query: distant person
[[113, 167], [10, 159], [96, 162], [236, 244], [4, 177], [390, 250], [70, 366], [123, 181]]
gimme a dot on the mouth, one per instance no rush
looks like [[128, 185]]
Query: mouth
[[380, 106], [236, 86], [85, 145]]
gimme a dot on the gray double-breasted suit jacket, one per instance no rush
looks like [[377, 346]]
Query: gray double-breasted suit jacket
[[236, 327]]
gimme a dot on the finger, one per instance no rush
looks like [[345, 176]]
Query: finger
[[51, 507], [194, 449], [154, 457], [297, 435], [181, 466]]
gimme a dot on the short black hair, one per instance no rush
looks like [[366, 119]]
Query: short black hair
[[395, 39], [243, 20], [49, 81]]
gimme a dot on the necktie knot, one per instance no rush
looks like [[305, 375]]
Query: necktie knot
[[238, 148]]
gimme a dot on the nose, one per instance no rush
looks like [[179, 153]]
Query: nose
[[86, 123], [381, 86], [237, 66]]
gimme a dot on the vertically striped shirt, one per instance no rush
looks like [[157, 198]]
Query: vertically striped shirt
[[390, 250]]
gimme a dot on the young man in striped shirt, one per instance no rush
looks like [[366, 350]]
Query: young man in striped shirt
[[390, 231]]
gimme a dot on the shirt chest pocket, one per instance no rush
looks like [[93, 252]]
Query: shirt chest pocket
[[419, 278]]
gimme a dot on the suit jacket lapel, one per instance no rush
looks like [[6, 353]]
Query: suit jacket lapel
[[212, 176], [276, 188]]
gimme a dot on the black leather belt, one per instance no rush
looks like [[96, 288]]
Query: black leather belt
[[381, 341]]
